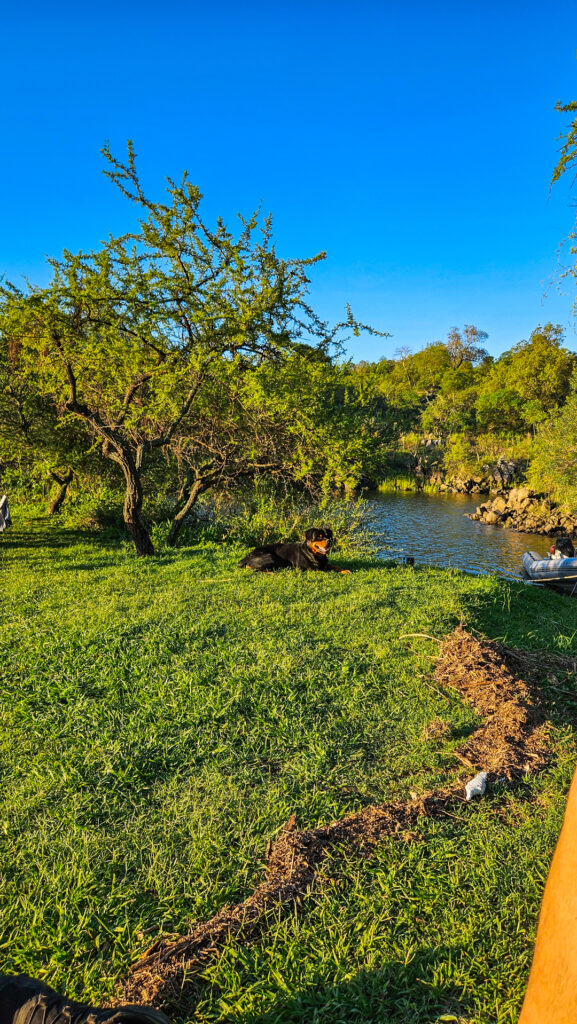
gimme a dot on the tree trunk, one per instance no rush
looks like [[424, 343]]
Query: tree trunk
[[133, 510], [63, 482], [115, 447], [178, 521]]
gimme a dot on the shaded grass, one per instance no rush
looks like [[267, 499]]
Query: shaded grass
[[162, 718], [439, 927]]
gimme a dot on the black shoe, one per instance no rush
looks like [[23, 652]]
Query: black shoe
[[26, 1001]]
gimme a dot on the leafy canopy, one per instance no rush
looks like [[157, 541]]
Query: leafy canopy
[[135, 339]]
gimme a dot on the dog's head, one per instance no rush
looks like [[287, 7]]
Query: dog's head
[[319, 540], [564, 547]]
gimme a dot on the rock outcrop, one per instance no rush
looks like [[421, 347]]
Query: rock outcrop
[[461, 485], [502, 474], [526, 511]]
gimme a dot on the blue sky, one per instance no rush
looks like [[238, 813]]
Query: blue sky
[[412, 141]]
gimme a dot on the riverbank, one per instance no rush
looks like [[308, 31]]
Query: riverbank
[[516, 507], [435, 530], [502, 473], [436, 484], [526, 511], [164, 717]]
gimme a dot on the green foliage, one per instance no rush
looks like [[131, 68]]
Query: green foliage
[[187, 360], [476, 454], [525, 385], [147, 343], [453, 409], [94, 509], [459, 454], [554, 466], [409, 381], [449, 412], [263, 516], [326, 429], [500, 409], [160, 725], [36, 444]]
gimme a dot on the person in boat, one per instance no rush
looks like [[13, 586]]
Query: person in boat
[[562, 548]]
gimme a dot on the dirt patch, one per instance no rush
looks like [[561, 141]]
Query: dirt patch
[[511, 742], [513, 738], [437, 731]]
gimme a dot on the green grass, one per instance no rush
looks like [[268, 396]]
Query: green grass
[[162, 718], [406, 483]]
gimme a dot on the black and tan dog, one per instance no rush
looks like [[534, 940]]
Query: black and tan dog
[[310, 554]]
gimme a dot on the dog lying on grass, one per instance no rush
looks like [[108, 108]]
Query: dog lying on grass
[[310, 554]]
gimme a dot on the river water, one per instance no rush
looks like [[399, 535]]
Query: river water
[[434, 529]]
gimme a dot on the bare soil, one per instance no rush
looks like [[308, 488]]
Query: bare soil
[[511, 742]]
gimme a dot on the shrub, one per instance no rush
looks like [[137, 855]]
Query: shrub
[[262, 517], [97, 509]]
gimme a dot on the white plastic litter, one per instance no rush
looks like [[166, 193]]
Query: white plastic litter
[[476, 786]]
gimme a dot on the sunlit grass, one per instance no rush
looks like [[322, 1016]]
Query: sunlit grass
[[162, 718], [400, 482]]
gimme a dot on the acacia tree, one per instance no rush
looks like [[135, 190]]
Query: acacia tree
[[303, 423], [223, 438], [466, 347], [127, 338]]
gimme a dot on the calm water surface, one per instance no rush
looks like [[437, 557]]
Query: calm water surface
[[434, 529]]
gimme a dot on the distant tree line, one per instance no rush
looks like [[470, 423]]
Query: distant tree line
[[456, 409]]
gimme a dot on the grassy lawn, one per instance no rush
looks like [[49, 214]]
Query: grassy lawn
[[161, 719]]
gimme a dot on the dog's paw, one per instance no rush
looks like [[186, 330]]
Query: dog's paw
[[345, 572]]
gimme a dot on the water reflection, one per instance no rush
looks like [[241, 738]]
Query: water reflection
[[434, 529]]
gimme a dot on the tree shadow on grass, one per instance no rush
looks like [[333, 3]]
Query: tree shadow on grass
[[525, 617], [398, 994], [536, 620], [49, 538]]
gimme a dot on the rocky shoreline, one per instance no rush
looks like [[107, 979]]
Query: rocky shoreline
[[526, 511], [501, 475], [461, 485], [510, 504]]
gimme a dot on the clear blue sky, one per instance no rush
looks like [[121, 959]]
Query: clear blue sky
[[412, 141]]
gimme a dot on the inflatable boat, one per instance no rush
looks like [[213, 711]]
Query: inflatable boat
[[556, 572]]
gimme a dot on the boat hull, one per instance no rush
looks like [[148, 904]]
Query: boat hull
[[560, 573]]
